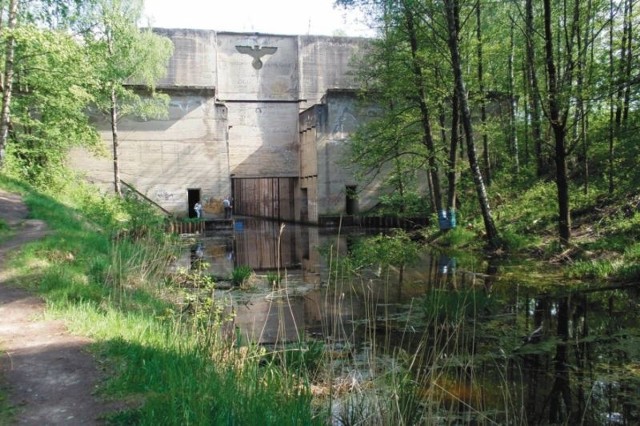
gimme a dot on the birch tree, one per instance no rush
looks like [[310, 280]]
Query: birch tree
[[128, 59], [452, 11]]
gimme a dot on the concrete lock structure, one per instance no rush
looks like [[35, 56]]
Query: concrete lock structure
[[262, 118]]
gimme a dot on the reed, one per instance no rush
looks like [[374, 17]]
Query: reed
[[431, 372], [172, 362], [173, 354]]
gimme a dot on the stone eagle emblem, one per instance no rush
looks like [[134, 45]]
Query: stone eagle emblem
[[256, 52]]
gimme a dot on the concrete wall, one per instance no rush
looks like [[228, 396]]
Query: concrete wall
[[164, 158], [235, 100], [325, 63], [335, 173], [194, 61]]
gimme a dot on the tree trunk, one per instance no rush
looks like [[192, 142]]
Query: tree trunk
[[534, 98], [452, 14], [623, 73], [483, 102], [114, 133], [525, 105], [513, 135], [560, 404], [455, 137], [629, 61], [582, 109], [7, 89], [558, 125], [424, 108], [612, 135]]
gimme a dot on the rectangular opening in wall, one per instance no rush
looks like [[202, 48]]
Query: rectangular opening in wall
[[193, 196], [304, 205], [352, 200]]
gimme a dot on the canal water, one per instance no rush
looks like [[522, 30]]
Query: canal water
[[512, 341]]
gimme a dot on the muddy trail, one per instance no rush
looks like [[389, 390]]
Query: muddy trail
[[48, 374]]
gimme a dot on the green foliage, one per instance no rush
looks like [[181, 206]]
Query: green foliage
[[49, 114], [395, 249], [7, 411], [182, 385], [4, 230], [544, 347], [304, 357], [241, 274], [380, 251], [126, 59], [409, 203], [528, 212], [458, 237], [143, 218], [124, 55], [273, 279], [451, 307], [625, 268], [174, 365], [516, 242], [630, 270]]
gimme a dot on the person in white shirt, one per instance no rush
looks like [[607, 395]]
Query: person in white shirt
[[227, 207]]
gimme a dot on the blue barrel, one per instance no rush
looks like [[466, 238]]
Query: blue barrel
[[443, 221], [452, 218], [238, 225]]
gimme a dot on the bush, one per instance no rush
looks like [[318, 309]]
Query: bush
[[273, 279], [241, 274]]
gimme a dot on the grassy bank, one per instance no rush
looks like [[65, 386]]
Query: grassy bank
[[102, 270], [605, 229]]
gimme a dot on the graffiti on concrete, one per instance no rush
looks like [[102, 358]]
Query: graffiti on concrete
[[161, 194], [186, 105], [345, 124]]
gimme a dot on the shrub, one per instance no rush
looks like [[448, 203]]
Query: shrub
[[241, 274], [273, 278]]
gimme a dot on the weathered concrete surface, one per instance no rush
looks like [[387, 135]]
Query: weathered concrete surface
[[262, 140], [164, 158], [325, 63], [194, 60], [325, 171], [257, 75], [235, 100]]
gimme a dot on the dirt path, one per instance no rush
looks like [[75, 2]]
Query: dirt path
[[49, 374]]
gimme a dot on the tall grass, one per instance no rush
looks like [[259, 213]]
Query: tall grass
[[436, 370], [103, 270], [173, 355], [5, 231]]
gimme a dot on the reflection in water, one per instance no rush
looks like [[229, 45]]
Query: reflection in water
[[550, 353], [265, 245], [446, 264]]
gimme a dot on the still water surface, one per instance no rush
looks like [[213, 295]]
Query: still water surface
[[502, 332]]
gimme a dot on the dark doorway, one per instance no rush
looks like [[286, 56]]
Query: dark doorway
[[193, 196], [352, 200], [304, 205]]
